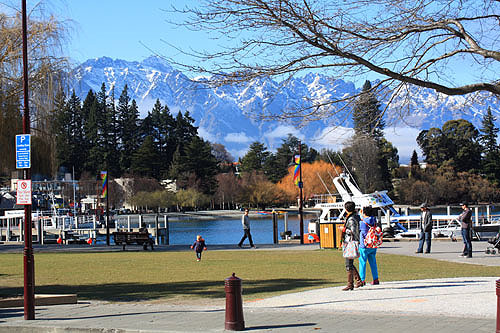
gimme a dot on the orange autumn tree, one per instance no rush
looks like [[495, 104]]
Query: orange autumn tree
[[310, 179]]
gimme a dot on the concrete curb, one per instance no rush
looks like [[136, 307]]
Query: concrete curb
[[40, 299]]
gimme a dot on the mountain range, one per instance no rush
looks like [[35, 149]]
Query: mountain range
[[226, 114]]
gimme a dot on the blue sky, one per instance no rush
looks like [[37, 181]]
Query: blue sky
[[128, 30], [134, 30]]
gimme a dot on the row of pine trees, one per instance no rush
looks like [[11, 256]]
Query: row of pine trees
[[100, 134]]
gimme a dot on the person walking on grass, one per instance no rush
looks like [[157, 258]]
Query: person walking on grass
[[245, 223], [351, 233], [425, 229], [365, 253], [466, 223], [198, 246]]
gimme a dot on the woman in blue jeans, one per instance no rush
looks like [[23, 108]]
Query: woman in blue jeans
[[367, 254]]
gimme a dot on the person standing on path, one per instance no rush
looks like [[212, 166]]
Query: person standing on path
[[245, 222], [365, 253], [466, 223], [425, 229], [351, 233]]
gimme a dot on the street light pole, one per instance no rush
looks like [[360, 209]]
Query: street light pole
[[28, 259]]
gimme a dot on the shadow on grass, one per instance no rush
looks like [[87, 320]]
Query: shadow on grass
[[145, 292]]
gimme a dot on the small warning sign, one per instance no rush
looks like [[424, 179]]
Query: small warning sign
[[24, 192]]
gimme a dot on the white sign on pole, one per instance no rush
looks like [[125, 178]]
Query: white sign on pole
[[24, 192]]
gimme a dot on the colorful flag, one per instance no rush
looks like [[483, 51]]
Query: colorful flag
[[104, 178], [296, 172]]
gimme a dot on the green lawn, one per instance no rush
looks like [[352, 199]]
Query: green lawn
[[148, 276]]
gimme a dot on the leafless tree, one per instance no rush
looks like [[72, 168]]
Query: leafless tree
[[363, 155], [420, 43], [46, 36], [221, 154], [228, 190]]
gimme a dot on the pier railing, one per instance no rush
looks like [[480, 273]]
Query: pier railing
[[11, 227]]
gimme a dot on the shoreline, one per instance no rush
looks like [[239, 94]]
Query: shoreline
[[224, 214]]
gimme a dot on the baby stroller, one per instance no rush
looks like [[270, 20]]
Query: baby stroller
[[495, 247]]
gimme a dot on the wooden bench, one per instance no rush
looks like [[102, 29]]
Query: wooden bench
[[71, 238], [133, 237]]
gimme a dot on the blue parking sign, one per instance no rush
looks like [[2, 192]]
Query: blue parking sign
[[23, 151]]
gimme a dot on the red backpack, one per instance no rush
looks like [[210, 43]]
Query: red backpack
[[373, 238]]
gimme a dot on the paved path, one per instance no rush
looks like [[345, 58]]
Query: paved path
[[445, 250], [439, 305]]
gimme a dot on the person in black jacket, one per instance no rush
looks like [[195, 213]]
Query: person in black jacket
[[466, 223], [425, 229], [351, 233]]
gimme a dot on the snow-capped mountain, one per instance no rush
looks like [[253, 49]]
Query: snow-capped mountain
[[226, 114]]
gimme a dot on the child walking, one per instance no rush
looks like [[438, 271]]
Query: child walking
[[199, 246]]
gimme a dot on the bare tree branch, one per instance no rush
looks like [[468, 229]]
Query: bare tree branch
[[418, 42]]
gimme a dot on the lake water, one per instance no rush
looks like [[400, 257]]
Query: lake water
[[227, 231]]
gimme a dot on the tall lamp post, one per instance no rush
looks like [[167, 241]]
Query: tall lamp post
[[28, 259]]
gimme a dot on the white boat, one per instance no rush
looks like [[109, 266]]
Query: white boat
[[334, 212], [392, 223]]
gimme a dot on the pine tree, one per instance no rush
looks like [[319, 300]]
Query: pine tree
[[128, 117], [491, 151], [175, 168], [111, 144], [414, 160], [161, 126], [489, 131], [91, 132], [70, 144], [195, 166], [368, 118], [62, 130], [369, 125], [78, 141], [166, 146], [155, 116], [184, 130], [273, 169], [199, 160], [255, 158], [98, 137], [145, 160]]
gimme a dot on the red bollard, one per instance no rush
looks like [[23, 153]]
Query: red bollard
[[234, 306], [498, 306]]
